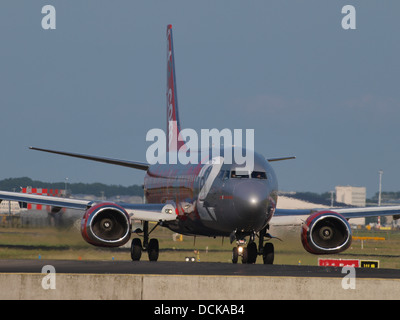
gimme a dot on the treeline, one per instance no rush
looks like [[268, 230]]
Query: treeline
[[386, 196], [325, 198], [318, 198], [97, 189]]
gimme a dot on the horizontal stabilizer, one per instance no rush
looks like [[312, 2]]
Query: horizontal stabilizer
[[124, 163], [280, 159]]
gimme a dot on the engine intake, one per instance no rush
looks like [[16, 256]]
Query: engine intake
[[326, 232], [106, 225]]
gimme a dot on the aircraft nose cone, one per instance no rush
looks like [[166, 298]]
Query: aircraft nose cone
[[251, 202]]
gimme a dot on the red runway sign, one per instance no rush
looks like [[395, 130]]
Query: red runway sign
[[338, 263]]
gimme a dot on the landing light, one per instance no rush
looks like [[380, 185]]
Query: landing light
[[253, 200], [168, 211]]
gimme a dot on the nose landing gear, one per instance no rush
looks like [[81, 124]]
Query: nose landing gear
[[241, 251], [249, 253]]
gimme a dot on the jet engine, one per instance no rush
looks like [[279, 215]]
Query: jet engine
[[106, 225], [326, 232]]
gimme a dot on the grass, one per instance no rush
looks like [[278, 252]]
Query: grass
[[53, 243]]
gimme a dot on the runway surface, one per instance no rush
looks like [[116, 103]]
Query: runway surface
[[187, 268]]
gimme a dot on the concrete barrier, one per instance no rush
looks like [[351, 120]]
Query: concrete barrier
[[25, 286]]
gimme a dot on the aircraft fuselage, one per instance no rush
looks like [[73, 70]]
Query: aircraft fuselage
[[215, 198]]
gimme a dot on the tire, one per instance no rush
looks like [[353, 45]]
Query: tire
[[245, 256], [153, 250], [251, 253], [235, 255], [136, 249], [268, 253]]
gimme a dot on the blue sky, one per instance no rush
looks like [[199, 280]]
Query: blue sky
[[287, 69]]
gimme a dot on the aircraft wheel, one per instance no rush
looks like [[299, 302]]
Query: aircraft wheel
[[136, 249], [153, 250], [245, 255], [235, 255], [268, 253], [251, 253]]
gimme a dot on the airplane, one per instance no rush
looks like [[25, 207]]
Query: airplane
[[211, 197]]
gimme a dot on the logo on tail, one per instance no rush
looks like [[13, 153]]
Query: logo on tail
[[173, 124]]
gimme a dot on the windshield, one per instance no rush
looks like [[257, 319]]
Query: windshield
[[240, 174]]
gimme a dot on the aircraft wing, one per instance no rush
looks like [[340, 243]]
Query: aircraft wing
[[155, 212], [46, 200], [327, 230], [348, 213], [139, 211]]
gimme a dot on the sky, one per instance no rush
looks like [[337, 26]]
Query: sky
[[287, 69]]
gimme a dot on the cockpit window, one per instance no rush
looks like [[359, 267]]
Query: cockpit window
[[258, 175], [237, 174], [223, 174]]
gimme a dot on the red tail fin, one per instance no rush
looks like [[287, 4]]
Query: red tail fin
[[173, 124]]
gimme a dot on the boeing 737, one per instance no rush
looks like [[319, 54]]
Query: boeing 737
[[210, 197]]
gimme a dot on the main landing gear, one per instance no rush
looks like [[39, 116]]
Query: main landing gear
[[249, 253], [151, 246]]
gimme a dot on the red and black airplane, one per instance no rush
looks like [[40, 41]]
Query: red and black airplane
[[208, 197]]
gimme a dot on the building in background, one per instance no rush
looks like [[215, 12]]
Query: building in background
[[9, 207], [354, 196]]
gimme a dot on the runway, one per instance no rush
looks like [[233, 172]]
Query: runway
[[163, 280], [187, 268]]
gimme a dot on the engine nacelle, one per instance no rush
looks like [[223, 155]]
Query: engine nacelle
[[326, 232], [106, 225]]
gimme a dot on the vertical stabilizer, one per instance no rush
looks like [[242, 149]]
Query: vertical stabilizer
[[173, 124]]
